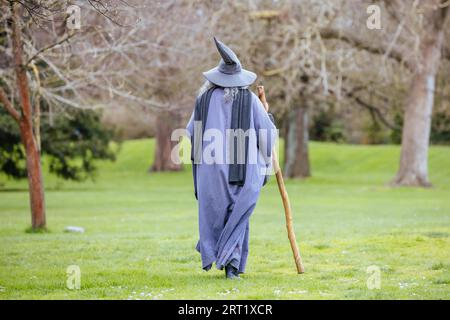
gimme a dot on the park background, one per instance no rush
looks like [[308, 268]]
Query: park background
[[100, 86]]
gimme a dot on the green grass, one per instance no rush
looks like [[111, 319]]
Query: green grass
[[141, 230]]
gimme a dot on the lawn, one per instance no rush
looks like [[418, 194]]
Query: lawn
[[141, 230]]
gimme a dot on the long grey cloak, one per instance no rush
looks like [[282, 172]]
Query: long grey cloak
[[224, 209]]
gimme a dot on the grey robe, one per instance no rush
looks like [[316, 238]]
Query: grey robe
[[224, 209]]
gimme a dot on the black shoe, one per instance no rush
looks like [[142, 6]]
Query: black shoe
[[231, 272]]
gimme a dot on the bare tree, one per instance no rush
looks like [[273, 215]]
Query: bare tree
[[411, 37], [24, 119], [413, 170], [44, 61], [161, 73], [293, 58]]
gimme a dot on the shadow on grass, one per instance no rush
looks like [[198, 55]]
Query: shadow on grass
[[37, 230], [81, 188], [13, 190]]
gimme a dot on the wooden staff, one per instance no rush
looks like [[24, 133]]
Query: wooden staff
[[284, 195]]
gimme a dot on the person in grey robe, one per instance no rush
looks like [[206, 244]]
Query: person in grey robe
[[229, 168]]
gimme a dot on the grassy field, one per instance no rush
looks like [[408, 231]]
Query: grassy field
[[141, 230]]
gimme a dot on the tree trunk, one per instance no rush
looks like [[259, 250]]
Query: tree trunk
[[166, 122], [296, 156], [34, 171], [35, 181], [413, 170]]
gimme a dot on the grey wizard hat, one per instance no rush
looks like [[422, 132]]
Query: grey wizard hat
[[229, 72]]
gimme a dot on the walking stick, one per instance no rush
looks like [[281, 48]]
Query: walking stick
[[284, 195]]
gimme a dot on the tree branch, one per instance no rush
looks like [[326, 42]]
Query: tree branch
[[374, 110], [8, 105], [50, 47], [364, 44]]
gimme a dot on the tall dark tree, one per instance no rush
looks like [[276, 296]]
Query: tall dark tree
[[166, 122], [296, 153]]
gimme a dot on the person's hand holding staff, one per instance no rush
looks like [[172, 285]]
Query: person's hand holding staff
[[284, 194]]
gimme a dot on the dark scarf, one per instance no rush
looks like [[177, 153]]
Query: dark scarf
[[240, 119]]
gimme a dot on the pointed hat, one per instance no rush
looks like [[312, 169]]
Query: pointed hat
[[229, 72]]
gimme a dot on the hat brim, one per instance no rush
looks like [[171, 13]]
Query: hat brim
[[241, 79]]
